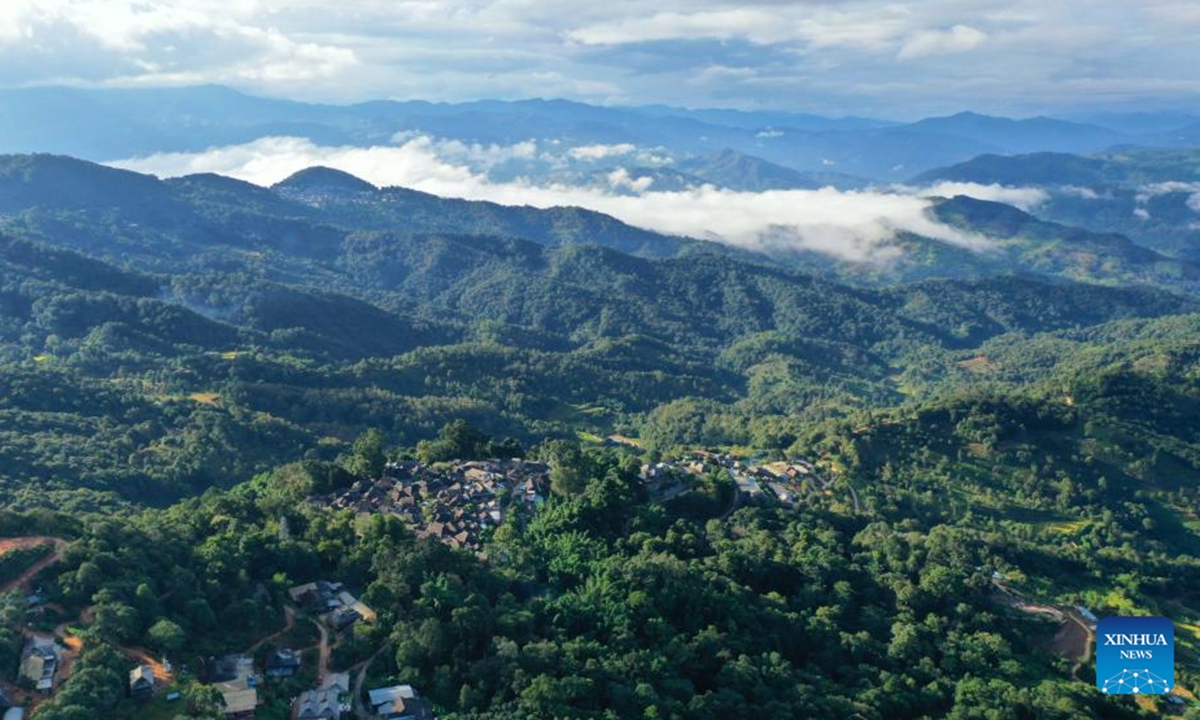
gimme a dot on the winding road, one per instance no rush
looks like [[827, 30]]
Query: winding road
[[1074, 640], [289, 615], [854, 497]]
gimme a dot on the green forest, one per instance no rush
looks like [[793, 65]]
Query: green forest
[[185, 364]]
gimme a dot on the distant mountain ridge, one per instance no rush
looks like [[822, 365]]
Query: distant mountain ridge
[[1148, 195], [1021, 136], [747, 173], [1126, 168], [130, 123], [1063, 251], [312, 214], [1011, 241], [310, 202]]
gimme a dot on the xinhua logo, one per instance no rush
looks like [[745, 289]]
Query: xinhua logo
[[1135, 655]]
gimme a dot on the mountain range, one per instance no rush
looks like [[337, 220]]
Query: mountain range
[[276, 316], [186, 364], [114, 124], [186, 222]]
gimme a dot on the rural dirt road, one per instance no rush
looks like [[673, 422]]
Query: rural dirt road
[[322, 648], [289, 614], [7, 545], [360, 708], [22, 582], [1074, 638]]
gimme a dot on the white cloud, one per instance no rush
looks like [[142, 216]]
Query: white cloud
[[866, 27], [851, 225], [268, 160], [1025, 198], [1152, 190], [158, 41], [1084, 193], [856, 226], [957, 39], [476, 155], [600, 152], [620, 179], [871, 27], [753, 24]]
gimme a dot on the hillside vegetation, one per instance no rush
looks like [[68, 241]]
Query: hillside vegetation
[[185, 365]]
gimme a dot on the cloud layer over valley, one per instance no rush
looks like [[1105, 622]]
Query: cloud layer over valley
[[851, 225]]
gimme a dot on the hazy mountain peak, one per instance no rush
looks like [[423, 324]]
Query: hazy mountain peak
[[324, 180], [971, 115], [733, 169]]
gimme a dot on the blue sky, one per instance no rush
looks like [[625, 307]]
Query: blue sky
[[833, 57]]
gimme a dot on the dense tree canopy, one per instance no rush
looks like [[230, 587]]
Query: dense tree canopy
[[184, 365]]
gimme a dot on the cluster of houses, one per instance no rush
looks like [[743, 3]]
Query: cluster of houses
[[788, 483], [666, 480], [457, 502], [43, 659], [453, 503], [234, 677], [332, 603], [238, 680]]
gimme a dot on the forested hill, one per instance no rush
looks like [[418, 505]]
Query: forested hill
[[186, 333], [229, 340], [937, 574], [1129, 167], [1145, 195], [297, 217], [204, 222], [189, 368]]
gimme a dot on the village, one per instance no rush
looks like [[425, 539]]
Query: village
[[786, 483], [48, 658], [457, 503]]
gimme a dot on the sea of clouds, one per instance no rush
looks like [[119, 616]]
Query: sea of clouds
[[857, 225]]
